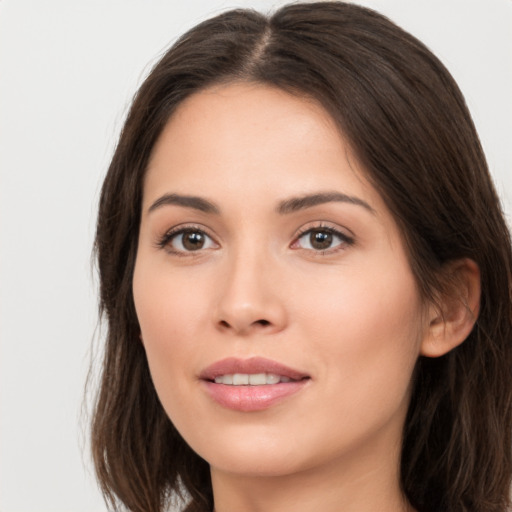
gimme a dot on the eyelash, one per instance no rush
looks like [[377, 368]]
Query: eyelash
[[164, 242], [345, 239]]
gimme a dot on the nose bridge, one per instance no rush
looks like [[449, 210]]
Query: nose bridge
[[248, 294]]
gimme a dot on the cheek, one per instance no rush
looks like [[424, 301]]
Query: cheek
[[170, 315], [168, 307], [368, 332]]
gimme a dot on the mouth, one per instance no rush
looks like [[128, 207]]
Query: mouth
[[253, 384], [251, 379]]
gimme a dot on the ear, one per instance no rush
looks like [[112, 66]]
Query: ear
[[453, 317]]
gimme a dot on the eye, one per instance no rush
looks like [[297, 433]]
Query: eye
[[187, 240], [322, 239]]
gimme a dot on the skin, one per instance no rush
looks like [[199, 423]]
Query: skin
[[350, 317]]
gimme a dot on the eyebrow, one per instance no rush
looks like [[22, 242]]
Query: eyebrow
[[197, 203], [291, 205], [308, 201]]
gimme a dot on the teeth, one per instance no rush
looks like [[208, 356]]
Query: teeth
[[272, 378], [257, 379], [226, 379], [240, 379], [253, 379]]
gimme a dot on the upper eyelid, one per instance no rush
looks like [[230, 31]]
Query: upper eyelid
[[180, 228], [327, 225], [167, 235]]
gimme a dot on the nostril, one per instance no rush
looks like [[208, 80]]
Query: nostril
[[243, 326]]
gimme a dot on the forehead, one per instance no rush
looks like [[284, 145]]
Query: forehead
[[234, 137], [249, 117]]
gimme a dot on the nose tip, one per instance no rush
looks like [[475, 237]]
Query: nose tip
[[249, 302]]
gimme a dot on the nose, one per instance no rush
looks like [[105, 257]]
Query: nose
[[249, 299]]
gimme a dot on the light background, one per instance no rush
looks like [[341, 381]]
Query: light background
[[68, 69]]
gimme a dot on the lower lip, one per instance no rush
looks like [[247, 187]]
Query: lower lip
[[252, 398]]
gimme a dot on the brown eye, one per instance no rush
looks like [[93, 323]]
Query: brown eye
[[323, 239], [188, 240], [320, 239], [193, 240]]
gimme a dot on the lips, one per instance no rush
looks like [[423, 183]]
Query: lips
[[254, 365], [251, 384]]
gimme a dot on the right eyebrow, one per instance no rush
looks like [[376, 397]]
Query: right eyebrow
[[195, 202]]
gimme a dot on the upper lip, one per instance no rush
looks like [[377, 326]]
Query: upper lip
[[253, 365]]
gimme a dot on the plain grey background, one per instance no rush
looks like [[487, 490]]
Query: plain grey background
[[68, 69]]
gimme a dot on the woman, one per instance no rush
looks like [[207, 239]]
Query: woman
[[306, 276]]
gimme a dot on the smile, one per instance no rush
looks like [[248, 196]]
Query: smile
[[251, 379], [249, 385]]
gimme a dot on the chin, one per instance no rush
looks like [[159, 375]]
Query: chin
[[261, 466], [248, 455]]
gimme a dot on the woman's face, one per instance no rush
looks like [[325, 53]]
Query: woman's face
[[266, 262]]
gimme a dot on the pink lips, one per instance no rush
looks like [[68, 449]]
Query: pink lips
[[247, 398]]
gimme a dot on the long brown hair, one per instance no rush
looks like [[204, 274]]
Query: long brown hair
[[408, 124]]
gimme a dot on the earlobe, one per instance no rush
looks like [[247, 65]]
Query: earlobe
[[453, 318]]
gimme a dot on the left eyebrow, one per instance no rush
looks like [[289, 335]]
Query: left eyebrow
[[308, 201]]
